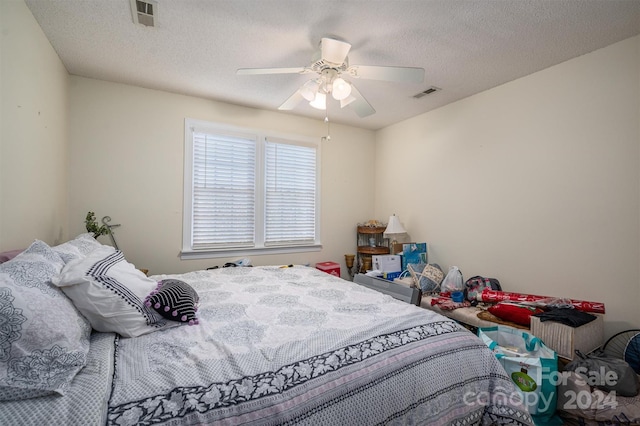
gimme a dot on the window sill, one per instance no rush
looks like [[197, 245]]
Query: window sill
[[211, 254]]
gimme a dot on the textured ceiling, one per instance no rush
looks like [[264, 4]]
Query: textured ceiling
[[465, 46]]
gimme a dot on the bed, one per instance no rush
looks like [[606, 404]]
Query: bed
[[267, 346]]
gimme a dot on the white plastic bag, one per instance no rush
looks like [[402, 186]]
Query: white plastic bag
[[453, 281]]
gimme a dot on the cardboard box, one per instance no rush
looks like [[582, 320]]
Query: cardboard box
[[386, 263], [332, 268], [565, 339], [397, 248]]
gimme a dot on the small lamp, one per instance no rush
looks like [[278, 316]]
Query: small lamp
[[349, 260], [394, 227]]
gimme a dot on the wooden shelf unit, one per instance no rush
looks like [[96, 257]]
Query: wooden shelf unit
[[370, 241]]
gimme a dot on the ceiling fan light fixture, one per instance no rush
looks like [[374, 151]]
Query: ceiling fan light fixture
[[341, 89], [328, 64], [309, 90], [320, 101], [334, 51], [346, 101]]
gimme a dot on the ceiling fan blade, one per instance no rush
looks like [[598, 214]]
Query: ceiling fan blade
[[400, 74], [292, 101], [359, 104], [334, 51], [256, 71]]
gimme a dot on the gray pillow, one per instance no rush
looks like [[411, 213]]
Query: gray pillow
[[43, 338], [77, 248]]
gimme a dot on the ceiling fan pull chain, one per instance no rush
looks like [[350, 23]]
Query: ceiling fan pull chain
[[326, 120]]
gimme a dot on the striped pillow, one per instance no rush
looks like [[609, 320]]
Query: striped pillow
[[175, 300]]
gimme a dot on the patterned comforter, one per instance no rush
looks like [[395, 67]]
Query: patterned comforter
[[290, 346]]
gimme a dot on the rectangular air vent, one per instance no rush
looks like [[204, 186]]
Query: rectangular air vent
[[144, 12], [429, 91]]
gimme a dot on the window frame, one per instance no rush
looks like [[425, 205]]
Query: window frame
[[261, 136]]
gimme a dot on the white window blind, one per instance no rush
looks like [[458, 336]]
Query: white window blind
[[223, 190], [248, 191], [290, 201]]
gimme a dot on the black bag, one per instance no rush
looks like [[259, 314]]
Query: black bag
[[605, 372], [474, 286]]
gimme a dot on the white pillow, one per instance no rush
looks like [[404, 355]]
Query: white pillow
[[110, 293], [43, 338], [77, 248]]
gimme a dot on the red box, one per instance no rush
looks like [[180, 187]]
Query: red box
[[332, 268]]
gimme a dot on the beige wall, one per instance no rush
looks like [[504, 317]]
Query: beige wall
[[34, 135], [126, 161], [535, 182]]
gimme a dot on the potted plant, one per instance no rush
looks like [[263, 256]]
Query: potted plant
[[92, 225]]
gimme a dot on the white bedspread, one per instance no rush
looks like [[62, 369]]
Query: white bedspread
[[288, 346]]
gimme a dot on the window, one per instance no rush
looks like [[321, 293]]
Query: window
[[248, 192]]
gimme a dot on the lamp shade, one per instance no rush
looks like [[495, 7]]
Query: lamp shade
[[320, 101], [394, 226], [309, 90], [341, 89]]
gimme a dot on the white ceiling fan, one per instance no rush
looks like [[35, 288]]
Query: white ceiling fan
[[331, 66]]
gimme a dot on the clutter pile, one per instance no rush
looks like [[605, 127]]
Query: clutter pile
[[541, 329], [450, 292]]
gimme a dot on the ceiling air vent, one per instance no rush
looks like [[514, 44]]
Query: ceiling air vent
[[429, 91], [144, 12]]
